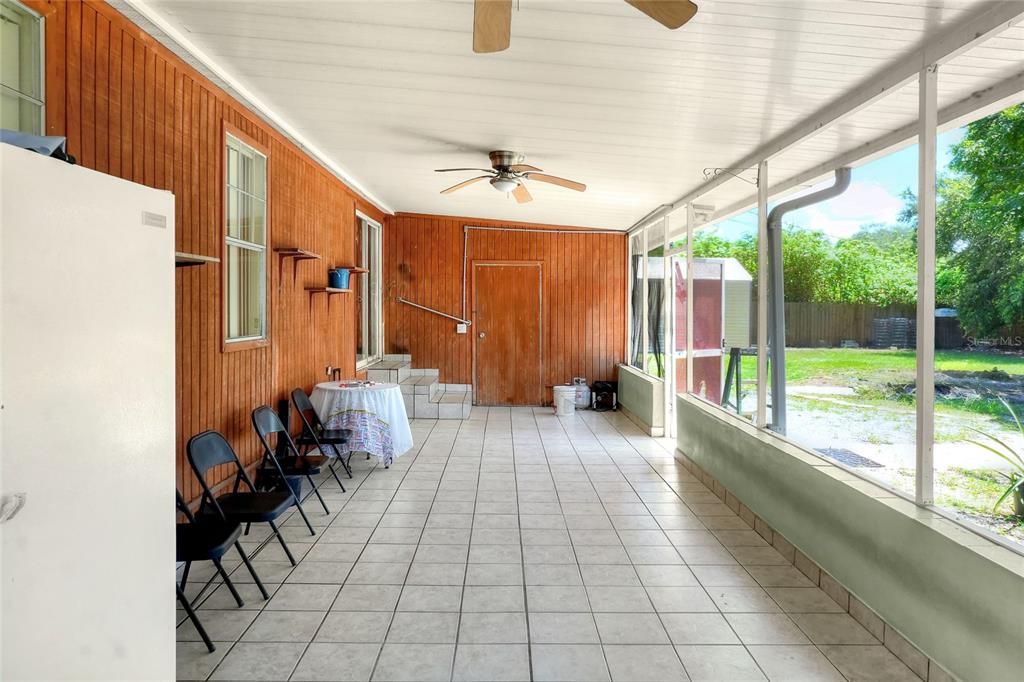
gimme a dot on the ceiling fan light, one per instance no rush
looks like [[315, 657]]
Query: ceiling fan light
[[504, 185]]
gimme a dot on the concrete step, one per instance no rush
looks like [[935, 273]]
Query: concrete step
[[389, 371], [426, 398], [421, 385]]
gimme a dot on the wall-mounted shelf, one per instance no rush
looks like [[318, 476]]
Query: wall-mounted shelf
[[296, 254], [186, 260], [327, 290], [354, 270]]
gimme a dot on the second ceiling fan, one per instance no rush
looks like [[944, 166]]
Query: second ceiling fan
[[492, 19]]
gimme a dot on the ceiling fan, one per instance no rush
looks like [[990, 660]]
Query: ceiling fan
[[492, 19], [508, 173]]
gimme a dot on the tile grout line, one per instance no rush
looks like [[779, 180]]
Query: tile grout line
[[702, 586], [643, 586], [593, 617], [380, 645], [469, 544]]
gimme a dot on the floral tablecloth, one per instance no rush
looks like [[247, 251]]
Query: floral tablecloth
[[374, 413]]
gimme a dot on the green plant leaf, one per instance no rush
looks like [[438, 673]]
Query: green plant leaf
[[1007, 493], [1013, 453], [1015, 464], [1012, 413]]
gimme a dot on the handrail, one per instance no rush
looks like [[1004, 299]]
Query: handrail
[[468, 323]]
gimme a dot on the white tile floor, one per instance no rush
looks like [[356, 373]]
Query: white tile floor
[[520, 546]]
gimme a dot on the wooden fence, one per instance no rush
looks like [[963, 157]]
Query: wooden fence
[[817, 325]]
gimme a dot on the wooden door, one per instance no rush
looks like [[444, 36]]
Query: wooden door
[[507, 333]]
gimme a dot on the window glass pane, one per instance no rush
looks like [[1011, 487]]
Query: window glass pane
[[245, 291], [246, 193], [374, 294], [655, 362], [257, 221], [259, 180], [233, 215], [979, 323], [20, 67], [725, 313], [246, 217], [367, 285], [850, 312], [246, 228], [232, 165], [677, 286], [638, 293], [17, 113]]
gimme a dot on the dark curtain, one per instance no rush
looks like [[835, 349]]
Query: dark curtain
[[637, 310], [655, 330]]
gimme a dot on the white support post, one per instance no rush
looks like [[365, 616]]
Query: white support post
[[668, 308], [690, 218], [630, 283], [762, 294], [925, 393]]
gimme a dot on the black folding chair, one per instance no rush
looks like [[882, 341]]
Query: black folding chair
[[292, 465], [209, 539], [183, 600], [314, 435], [210, 449]]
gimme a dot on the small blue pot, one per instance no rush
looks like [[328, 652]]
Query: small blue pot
[[337, 278]]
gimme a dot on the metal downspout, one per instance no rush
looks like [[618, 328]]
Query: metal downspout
[[776, 292]]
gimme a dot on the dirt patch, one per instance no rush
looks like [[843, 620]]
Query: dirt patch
[[959, 386]]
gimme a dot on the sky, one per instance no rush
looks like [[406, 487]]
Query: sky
[[873, 196]]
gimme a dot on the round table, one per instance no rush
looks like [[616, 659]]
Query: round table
[[374, 413]]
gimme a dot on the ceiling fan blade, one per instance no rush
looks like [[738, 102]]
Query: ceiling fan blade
[[492, 25], [522, 194], [449, 170], [464, 183], [555, 180], [669, 13], [523, 167]]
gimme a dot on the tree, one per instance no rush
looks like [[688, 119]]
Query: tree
[[980, 224], [877, 265], [744, 249]]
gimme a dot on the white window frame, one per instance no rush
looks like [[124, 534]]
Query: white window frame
[[41, 102], [377, 301], [230, 241]]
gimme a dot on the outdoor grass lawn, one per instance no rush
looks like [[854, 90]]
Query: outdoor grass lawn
[[837, 366]]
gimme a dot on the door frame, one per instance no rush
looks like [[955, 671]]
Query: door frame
[[488, 262]]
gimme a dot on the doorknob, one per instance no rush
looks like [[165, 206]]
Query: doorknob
[[483, 335]]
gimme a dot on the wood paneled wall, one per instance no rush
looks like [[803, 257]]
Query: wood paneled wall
[[584, 307], [131, 108]]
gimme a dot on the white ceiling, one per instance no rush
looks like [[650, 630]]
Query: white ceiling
[[592, 91]]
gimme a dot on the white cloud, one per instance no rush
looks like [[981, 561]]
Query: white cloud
[[863, 203]]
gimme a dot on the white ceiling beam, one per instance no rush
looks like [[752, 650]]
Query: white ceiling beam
[[957, 40], [981, 103]]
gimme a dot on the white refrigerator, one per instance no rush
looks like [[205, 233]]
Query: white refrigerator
[[86, 425]]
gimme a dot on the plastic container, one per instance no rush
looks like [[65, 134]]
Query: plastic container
[[565, 400], [582, 393], [337, 278]]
